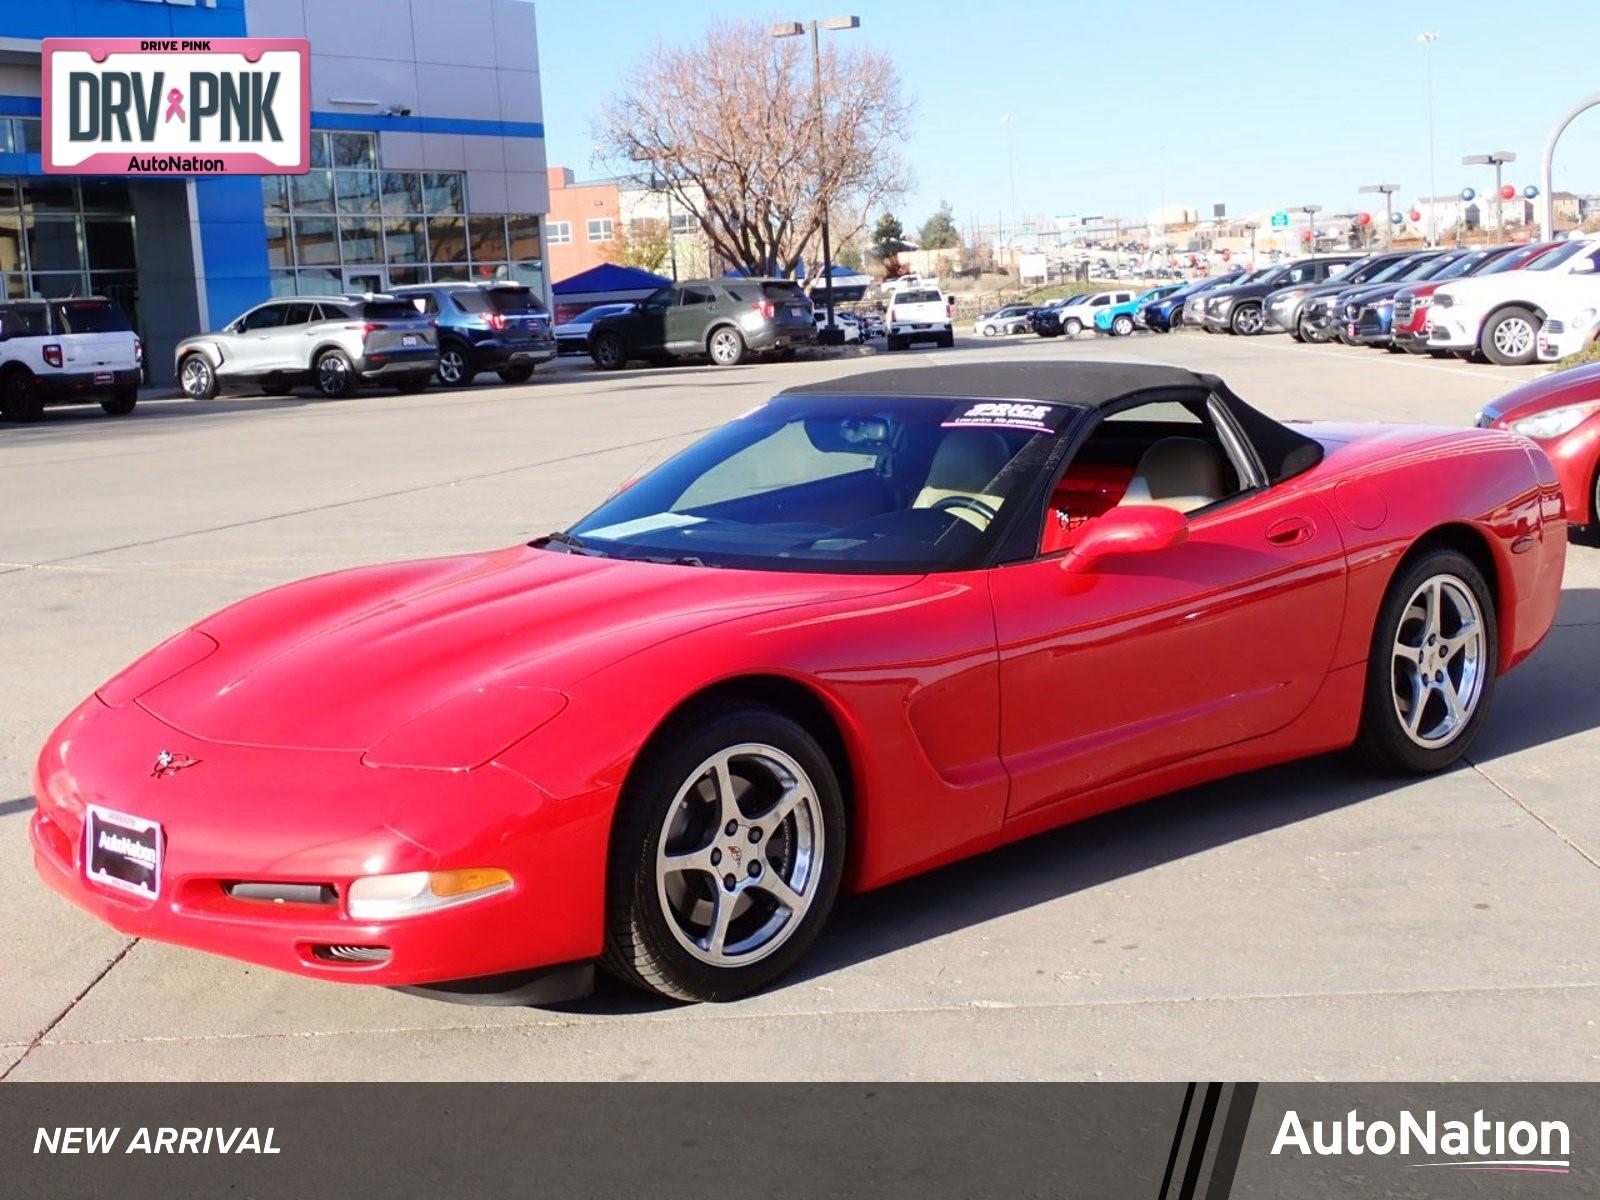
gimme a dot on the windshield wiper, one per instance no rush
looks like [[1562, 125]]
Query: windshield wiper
[[679, 560], [569, 544]]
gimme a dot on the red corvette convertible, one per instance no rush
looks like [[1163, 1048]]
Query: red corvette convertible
[[870, 627], [1560, 412]]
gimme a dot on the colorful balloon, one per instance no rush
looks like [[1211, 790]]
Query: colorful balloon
[[1507, 192], [1396, 218], [1365, 218], [1531, 192], [1468, 195], [1414, 215]]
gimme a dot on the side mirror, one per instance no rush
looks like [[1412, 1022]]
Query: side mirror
[[1133, 529]]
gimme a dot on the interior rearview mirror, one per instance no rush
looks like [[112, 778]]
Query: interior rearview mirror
[[1130, 529]]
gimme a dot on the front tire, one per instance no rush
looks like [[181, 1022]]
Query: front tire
[[725, 857], [726, 347], [1510, 337], [608, 352], [196, 378], [1122, 326], [1246, 320], [456, 367], [335, 374], [121, 402], [1431, 669], [989, 331], [1072, 327]]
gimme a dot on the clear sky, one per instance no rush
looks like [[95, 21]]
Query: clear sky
[[1124, 106]]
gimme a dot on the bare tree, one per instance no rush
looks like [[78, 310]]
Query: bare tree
[[730, 126]]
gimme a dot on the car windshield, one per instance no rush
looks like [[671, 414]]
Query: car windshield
[[1556, 257], [1395, 270], [590, 316], [809, 483], [918, 297], [1463, 265], [496, 299]]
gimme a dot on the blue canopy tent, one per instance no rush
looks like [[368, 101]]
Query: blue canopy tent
[[606, 284]]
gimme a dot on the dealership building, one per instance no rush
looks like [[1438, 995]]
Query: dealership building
[[427, 162]]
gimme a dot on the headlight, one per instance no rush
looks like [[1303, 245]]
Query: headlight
[[384, 897], [1443, 300], [1290, 297], [1556, 422]]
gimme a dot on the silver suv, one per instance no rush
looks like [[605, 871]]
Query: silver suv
[[331, 342]]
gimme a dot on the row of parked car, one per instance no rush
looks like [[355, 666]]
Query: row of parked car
[[1509, 304]]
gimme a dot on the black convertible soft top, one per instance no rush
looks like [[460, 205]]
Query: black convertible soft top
[[1284, 452]]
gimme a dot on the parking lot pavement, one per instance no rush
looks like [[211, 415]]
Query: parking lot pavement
[[1310, 921]]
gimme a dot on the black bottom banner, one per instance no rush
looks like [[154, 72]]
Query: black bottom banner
[[1178, 1141]]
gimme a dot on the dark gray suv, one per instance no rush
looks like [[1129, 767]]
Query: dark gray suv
[[726, 320]]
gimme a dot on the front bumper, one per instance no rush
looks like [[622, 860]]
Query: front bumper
[[1557, 339], [252, 814], [1280, 318], [1369, 328], [1217, 320], [65, 386], [1452, 329]]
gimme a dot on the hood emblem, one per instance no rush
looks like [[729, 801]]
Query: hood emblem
[[168, 763]]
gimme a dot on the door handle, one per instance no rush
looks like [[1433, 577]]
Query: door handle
[[1291, 531]]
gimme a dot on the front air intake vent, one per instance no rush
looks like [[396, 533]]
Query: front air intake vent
[[281, 893], [351, 954]]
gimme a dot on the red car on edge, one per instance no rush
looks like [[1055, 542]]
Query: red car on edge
[[1561, 413], [873, 626]]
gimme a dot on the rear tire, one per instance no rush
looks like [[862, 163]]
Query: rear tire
[[515, 374], [121, 402], [725, 346], [896, 342], [661, 922], [19, 399], [1431, 666], [947, 340], [1510, 337], [335, 374]]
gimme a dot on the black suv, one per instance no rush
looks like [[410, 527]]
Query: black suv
[[724, 319], [501, 327], [1240, 309]]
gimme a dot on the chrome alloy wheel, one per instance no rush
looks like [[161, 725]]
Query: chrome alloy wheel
[[195, 377], [726, 347], [739, 859], [1514, 337], [1439, 666], [452, 366], [333, 375], [1248, 320]]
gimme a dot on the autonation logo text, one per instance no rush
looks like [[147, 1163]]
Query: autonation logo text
[[1479, 1144]]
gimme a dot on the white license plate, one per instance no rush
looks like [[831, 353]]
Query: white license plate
[[102, 376], [410, 339], [122, 851]]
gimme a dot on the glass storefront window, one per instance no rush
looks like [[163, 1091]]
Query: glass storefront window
[[406, 239], [447, 240], [319, 283], [316, 241], [402, 192], [30, 132], [401, 276], [8, 139], [312, 192], [109, 242], [107, 196], [280, 250], [529, 272], [488, 236], [447, 274], [56, 287], [354, 150], [524, 236], [442, 193], [10, 242], [53, 244], [357, 191], [319, 149], [275, 193], [49, 195], [361, 240], [283, 283]]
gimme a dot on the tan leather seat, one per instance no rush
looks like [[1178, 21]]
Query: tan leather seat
[[965, 463], [1177, 472]]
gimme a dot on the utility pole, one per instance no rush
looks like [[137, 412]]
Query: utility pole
[[832, 333], [1427, 40]]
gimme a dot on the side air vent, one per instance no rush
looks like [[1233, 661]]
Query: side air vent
[[351, 954]]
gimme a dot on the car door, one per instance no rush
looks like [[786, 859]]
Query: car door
[[249, 347], [645, 328], [285, 346], [689, 318], [1150, 659]]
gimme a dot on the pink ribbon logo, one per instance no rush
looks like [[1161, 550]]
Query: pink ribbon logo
[[175, 106]]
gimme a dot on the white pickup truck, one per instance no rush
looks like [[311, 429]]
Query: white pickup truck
[[919, 314], [1500, 315], [68, 351]]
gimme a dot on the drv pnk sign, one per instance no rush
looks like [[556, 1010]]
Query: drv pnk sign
[[177, 106]]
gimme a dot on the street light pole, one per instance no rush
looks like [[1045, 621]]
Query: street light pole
[[1427, 40], [794, 29], [1388, 190], [1311, 211], [1495, 159]]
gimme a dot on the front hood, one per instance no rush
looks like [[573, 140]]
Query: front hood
[[336, 662]]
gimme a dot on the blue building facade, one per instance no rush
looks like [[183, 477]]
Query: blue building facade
[[428, 162]]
